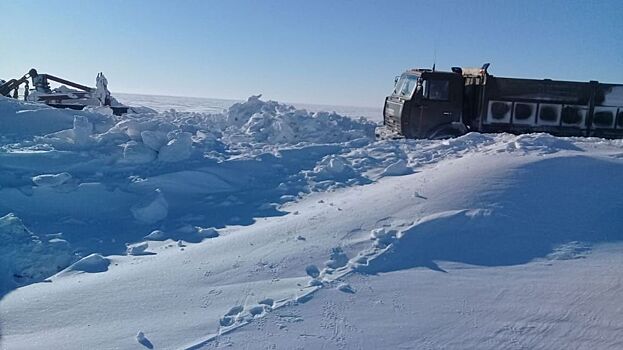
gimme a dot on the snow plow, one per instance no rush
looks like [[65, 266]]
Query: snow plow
[[434, 104], [62, 97]]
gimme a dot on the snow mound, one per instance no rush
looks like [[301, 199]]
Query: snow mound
[[334, 168], [542, 143], [275, 123], [27, 258], [398, 168], [137, 248], [93, 263]]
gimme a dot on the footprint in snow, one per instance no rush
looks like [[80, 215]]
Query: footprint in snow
[[314, 282], [312, 271], [338, 258], [234, 310], [346, 288], [142, 339], [268, 302], [236, 314], [258, 310], [230, 317], [226, 321]]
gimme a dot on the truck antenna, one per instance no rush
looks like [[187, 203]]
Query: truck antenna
[[436, 38]]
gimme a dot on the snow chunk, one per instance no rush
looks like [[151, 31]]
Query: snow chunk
[[27, 258], [82, 130], [51, 180], [178, 149], [153, 210], [332, 167], [541, 143], [156, 235], [397, 169], [93, 263], [76, 138], [154, 139], [569, 251], [137, 248], [137, 153], [383, 237]]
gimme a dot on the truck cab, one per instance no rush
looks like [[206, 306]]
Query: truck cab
[[425, 104]]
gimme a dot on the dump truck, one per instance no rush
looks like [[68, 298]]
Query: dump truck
[[426, 103]]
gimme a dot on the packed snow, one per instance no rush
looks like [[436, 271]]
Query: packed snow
[[262, 225]]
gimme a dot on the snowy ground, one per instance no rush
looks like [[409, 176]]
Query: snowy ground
[[264, 226]]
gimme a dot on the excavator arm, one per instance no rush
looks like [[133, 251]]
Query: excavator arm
[[13, 85], [67, 82]]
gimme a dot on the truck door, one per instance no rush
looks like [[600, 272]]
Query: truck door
[[442, 102]]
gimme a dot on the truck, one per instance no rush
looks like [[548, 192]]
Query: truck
[[431, 104]]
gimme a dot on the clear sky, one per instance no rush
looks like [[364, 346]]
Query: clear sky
[[314, 51]]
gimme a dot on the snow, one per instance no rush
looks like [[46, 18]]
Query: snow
[[268, 226], [152, 210], [90, 264], [51, 179]]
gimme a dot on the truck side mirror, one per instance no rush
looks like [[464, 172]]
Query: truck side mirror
[[396, 79]]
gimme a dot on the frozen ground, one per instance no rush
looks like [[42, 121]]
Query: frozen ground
[[264, 226]]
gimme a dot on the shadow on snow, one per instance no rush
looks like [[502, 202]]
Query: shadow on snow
[[555, 208]]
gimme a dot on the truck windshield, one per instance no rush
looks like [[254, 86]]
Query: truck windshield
[[405, 86]]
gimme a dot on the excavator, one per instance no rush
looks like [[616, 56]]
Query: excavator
[[62, 97]]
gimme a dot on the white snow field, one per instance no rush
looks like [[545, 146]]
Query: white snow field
[[267, 227]]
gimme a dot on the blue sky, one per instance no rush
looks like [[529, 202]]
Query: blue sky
[[326, 52]]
